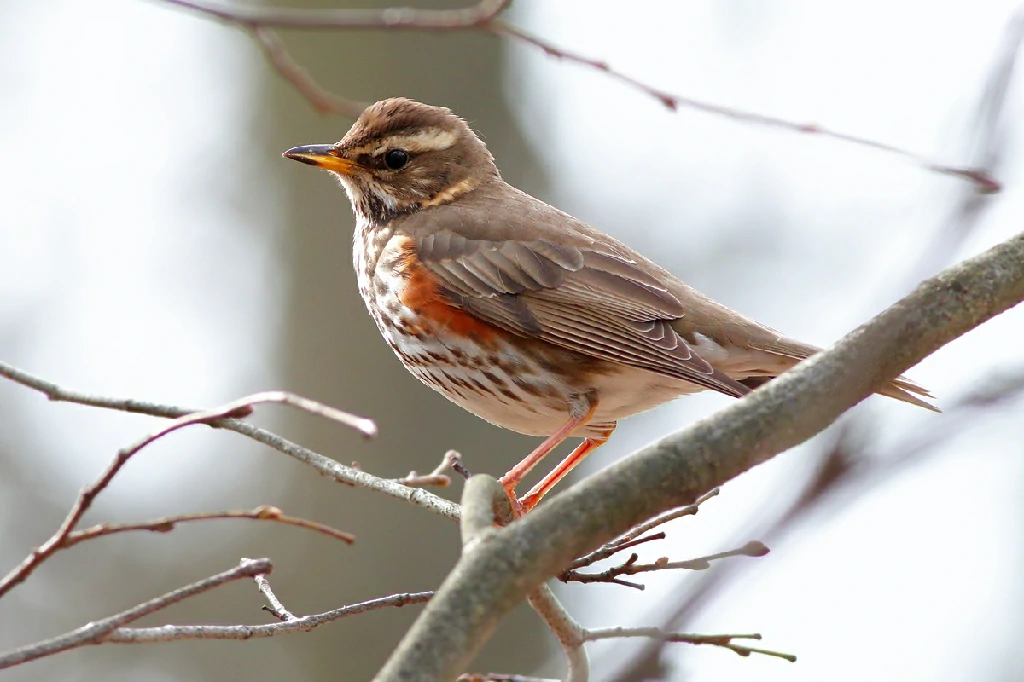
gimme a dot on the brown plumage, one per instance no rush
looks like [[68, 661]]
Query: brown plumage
[[519, 312]]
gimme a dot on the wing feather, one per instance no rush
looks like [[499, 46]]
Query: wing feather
[[588, 300]]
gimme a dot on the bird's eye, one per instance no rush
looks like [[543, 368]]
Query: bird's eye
[[396, 158]]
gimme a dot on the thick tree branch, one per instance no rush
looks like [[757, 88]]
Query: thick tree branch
[[509, 562], [485, 505]]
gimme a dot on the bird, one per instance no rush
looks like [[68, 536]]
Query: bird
[[518, 312]]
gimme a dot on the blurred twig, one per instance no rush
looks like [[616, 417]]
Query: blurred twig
[[484, 16], [324, 101], [988, 151]]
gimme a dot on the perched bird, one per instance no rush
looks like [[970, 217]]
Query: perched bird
[[517, 311]]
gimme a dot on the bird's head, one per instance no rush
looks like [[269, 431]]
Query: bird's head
[[401, 156]]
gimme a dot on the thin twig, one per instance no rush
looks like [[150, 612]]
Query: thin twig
[[483, 16], [100, 630], [168, 523], [631, 567], [168, 633], [437, 477], [627, 540], [274, 605], [233, 410], [325, 466], [323, 100], [724, 641], [982, 181]]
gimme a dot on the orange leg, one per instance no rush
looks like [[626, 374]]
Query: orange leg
[[581, 416], [530, 499]]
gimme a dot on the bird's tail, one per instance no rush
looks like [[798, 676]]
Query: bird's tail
[[907, 391]]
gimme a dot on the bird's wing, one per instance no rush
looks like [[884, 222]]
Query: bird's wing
[[585, 298]]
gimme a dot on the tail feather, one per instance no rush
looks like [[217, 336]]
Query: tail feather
[[905, 390], [792, 352]]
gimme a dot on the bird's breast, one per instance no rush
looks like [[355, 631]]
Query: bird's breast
[[518, 383]]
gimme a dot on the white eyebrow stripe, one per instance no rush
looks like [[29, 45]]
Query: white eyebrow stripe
[[428, 140]]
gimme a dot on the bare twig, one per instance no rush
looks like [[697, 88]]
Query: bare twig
[[324, 101], [168, 633], [981, 180], [483, 16], [325, 466], [168, 523], [274, 606], [455, 462], [631, 567], [610, 575], [233, 410], [100, 630], [437, 477], [724, 641], [627, 540], [259, 20]]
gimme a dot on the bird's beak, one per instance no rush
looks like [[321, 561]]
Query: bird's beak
[[322, 156]]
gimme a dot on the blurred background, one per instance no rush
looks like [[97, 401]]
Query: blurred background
[[153, 244]]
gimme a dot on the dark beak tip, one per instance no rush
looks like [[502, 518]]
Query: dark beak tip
[[309, 161], [309, 154]]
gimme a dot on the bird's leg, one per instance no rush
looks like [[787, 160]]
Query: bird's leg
[[581, 414], [530, 499]]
